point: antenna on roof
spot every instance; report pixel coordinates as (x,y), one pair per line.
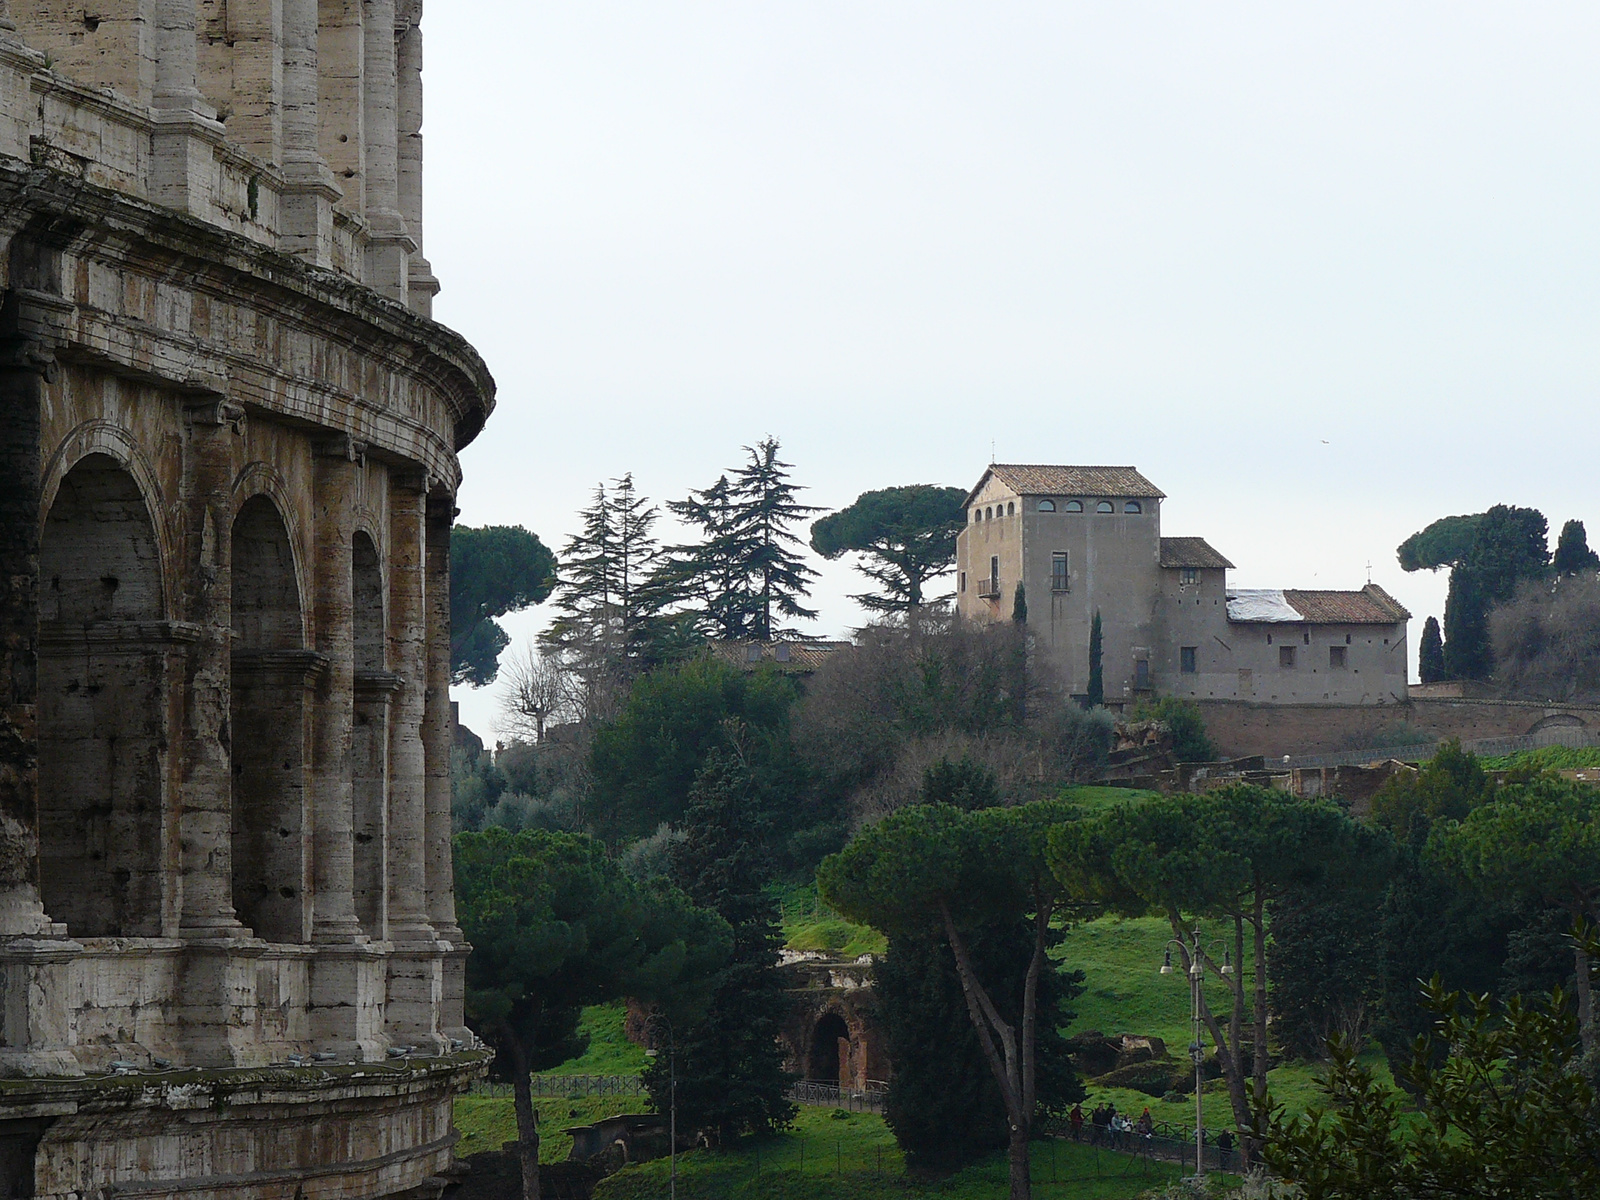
(1369,570)
(991,452)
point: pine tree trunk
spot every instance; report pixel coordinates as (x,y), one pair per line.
(1017,1151)
(1586,1027)
(527,1118)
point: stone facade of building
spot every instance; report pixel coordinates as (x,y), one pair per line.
(229,958)
(1086,540)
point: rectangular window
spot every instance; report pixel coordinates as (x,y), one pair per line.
(1058,571)
(1336,658)
(1286,657)
(963,581)
(1247,682)
(1189,576)
(1141,674)
(1186,657)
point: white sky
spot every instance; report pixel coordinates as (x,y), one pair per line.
(1322,272)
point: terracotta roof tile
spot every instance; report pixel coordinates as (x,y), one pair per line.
(1370,606)
(1038,480)
(800,657)
(1191,552)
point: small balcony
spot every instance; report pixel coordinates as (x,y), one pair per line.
(989,589)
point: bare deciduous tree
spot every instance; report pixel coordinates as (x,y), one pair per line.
(538,691)
(1546,640)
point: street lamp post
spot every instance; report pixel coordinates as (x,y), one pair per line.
(1195,953)
(658,1020)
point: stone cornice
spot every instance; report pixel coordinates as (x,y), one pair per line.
(86,221)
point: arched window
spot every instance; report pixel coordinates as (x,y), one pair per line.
(1011,508)
(977,515)
(988,514)
(1132,506)
(1074,505)
(1105,506)
(1047,506)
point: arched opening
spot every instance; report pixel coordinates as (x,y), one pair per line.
(830,1050)
(271,673)
(369,747)
(106,666)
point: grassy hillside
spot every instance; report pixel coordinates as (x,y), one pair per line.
(1547,758)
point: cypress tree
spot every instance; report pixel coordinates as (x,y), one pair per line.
(1019,605)
(1573,555)
(730,1072)
(943,1104)
(1097,679)
(1430,653)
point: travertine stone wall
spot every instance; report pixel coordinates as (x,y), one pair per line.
(296,123)
(228,438)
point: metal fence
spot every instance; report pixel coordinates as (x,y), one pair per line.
(1572,736)
(827,1095)
(1166,1143)
(572,1086)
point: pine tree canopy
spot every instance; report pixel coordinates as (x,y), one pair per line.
(495,570)
(906,535)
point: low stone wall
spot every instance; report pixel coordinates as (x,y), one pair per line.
(1273,730)
(349,1131)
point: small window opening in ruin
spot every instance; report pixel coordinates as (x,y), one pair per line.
(1269,639)
(1047,506)
(1186,659)
(1188,576)
(1347,639)
(1105,506)
(1058,572)
(1074,505)
(1286,657)
(1133,506)
(91,23)
(829,1051)
(963,581)
(1306,634)
(1337,658)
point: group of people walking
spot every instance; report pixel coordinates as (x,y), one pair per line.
(1108,1127)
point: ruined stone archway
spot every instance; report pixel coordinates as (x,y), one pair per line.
(828,1056)
(272,675)
(106,663)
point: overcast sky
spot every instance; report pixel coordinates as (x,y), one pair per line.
(1322,272)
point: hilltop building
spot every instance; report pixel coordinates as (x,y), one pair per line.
(1083,540)
(229,430)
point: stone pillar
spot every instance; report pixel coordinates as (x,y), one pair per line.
(215,432)
(438,735)
(389,250)
(310,190)
(185,125)
(415,967)
(35,957)
(375,692)
(334,914)
(253,54)
(341,116)
(421,286)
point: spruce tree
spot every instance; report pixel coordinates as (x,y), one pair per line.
(1573,555)
(607,608)
(1430,653)
(730,1072)
(748,569)
(1097,679)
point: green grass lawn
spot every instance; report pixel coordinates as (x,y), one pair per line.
(488,1122)
(610,1052)
(852,1156)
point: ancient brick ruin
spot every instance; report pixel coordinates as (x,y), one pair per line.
(229,958)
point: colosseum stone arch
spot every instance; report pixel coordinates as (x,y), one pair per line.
(228,435)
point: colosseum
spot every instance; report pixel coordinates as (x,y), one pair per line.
(229,959)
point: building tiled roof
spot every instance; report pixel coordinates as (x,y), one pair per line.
(1191,552)
(1370,606)
(798,657)
(1069,481)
